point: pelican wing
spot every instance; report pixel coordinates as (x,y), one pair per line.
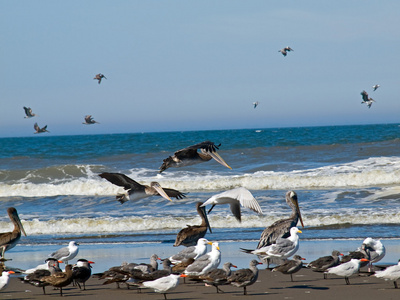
(174,193)
(278,229)
(121,180)
(364,95)
(36,127)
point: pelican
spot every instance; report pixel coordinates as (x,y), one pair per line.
(136,191)
(5,277)
(390,273)
(325,262)
(28,112)
(191,252)
(245,277)
(366,99)
(206,262)
(281,228)
(235,198)
(290,266)
(189,156)
(375,87)
(191,234)
(218,277)
(164,284)
(40,130)
(255,104)
(82,272)
(89,120)
(8,240)
(59,280)
(66,253)
(347,269)
(285,50)
(99,77)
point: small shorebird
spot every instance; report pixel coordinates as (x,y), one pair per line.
(60,279)
(375,87)
(245,277)
(89,120)
(390,273)
(136,191)
(290,266)
(99,77)
(235,198)
(189,156)
(347,269)
(28,112)
(40,130)
(366,99)
(192,233)
(163,284)
(191,252)
(285,50)
(255,104)
(325,262)
(218,277)
(66,253)
(206,262)
(8,240)
(82,272)
(5,277)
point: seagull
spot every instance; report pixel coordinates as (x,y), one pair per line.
(206,262)
(147,268)
(99,77)
(374,250)
(5,276)
(136,191)
(138,277)
(89,120)
(40,130)
(285,50)
(255,104)
(346,269)
(28,112)
(281,228)
(366,99)
(191,234)
(164,284)
(290,266)
(323,263)
(35,275)
(189,156)
(218,277)
(245,277)
(66,253)
(235,198)
(60,279)
(82,272)
(390,273)
(375,87)
(8,240)
(191,252)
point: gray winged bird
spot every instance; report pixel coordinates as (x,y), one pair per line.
(28,112)
(244,277)
(99,77)
(190,156)
(285,50)
(40,130)
(367,100)
(136,191)
(290,266)
(8,240)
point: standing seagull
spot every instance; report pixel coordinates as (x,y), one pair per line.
(28,112)
(191,234)
(347,269)
(163,284)
(5,277)
(66,253)
(374,250)
(235,198)
(191,252)
(82,272)
(89,120)
(99,77)
(325,262)
(205,263)
(285,50)
(390,273)
(218,277)
(189,156)
(366,99)
(40,130)
(290,266)
(136,191)
(8,240)
(375,87)
(245,277)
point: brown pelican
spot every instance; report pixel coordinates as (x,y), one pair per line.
(191,234)
(163,284)
(28,112)
(40,130)
(191,252)
(347,269)
(235,198)
(82,272)
(206,262)
(4,278)
(325,262)
(8,240)
(66,253)
(136,191)
(89,120)
(99,77)
(59,280)
(245,277)
(190,156)
(285,50)
(218,277)
(281,228)
(375,87)
(255,104)
(366,99)
(290,266)
(390,273)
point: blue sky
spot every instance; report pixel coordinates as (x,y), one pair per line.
(194,65)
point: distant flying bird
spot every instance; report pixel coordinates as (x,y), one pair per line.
(40,130)
(285,50)
(375,87)
(255,104)
(189,156)
(366,99)
(99,77)
(89,120)
(28,112)
(8,240)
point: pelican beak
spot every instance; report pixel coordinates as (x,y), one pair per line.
(16,218)
(218,158)
(160,190)
(296,203)
(203,211)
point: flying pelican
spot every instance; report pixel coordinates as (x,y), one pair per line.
(189,156)
(366,99)
(8,240)
(66,253)
(375,87)
(60,279)
(245,277)
(347,269)
(99,77)
(290,266)
(89,120)
(40,130)
(218,277)
(206,262)
(164,284)
(325,262)
(255,104)
(5,277)
(281,228)
(285,50)
(390,273)
(28,112)
(235,198)
(191,234)
(191,252)
(136,191)
(82,272)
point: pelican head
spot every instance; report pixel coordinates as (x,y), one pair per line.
(13,214)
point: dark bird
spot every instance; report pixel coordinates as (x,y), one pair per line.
(325,262)
(136,191)
(290,266)
(8,240)
(40,130)
(34,277)
(181,266)
(192,233)
(28,112)
(89,120)
(82,272)
(59,280)
(367,100)
(255,104)
(190,156)
(218,277)
(139,277)
(115,274)
(99,77)
(285,50)
(245,277)
(375,87)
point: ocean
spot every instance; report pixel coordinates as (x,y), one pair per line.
(346,178)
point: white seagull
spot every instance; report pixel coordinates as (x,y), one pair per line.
(347,269)
(164,284)
(235,198)
(390,273)
(205,263)
(374,250)
(190,252)
(66,253)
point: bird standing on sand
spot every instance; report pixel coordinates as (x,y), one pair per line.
(374,250)
(164,284)
(191,252)
(325,262)
(59,280)
(66,253)
(35,275)
(82,272)
(5,277)
(206,262)
(89,120)
(290,266)
(347,269)
(99,77)
(390,273)
(40,130)
(245,277)
(218,277)
(375,87)
(28,113)
(285,50)
(366,99)
(8,240)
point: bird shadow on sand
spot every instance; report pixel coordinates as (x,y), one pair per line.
(310,287)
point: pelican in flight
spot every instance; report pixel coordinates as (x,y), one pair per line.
(191,234)
(136,191)
(189,156)
(281,228)
(255,104)
(367,100)
(40,130)
(375,87)
(8,240)
(99,77)
(285,50)
(235,198)
(89,120)
(28,112)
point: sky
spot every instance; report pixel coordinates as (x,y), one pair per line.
(196,65)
